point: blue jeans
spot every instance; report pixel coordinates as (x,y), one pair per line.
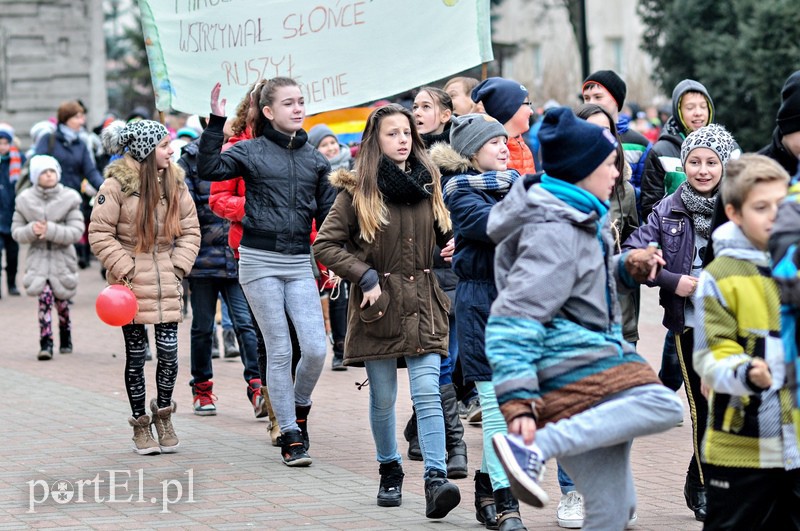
(271,298)
(204,294)
(226,323)
(423,377)
(493,422)
(448,364)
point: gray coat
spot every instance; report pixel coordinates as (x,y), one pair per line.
(52,258)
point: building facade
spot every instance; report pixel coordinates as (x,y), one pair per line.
(50,51)
(546,57)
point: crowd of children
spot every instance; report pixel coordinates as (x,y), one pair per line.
(448,247)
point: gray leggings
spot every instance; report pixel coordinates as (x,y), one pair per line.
(594,448)
(270,299)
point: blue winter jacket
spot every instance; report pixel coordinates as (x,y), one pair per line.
(76,162)
(473,259)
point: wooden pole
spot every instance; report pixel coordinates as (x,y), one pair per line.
(161,117)
(484,71)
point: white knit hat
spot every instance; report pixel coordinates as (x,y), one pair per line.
(40,163)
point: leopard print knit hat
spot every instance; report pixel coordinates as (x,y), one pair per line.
(140,138)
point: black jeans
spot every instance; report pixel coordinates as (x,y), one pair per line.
(338,313)
(12,258)
(698,405)
(203,295)
(752,499)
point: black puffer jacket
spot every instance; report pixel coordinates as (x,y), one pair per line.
(777,152)
(286,185)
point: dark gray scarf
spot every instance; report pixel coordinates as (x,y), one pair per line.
(399,186)
(701,208)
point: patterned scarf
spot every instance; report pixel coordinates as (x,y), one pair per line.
(14,164)
(701,208)
(404,187)
(492,181)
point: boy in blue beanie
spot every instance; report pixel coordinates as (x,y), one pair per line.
(561,368)
(508,102)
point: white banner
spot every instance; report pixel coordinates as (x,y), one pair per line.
(342,52)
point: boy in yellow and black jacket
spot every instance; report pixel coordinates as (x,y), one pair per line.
(750,446)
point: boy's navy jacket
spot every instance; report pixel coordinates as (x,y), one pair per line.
(670,224)
(286,185)
(554,337)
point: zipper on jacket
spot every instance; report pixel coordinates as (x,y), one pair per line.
(155,263)
(430,300)
(293,196)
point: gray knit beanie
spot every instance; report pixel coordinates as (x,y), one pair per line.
(318,133)
(471,131)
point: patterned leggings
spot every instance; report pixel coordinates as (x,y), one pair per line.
(46,300)
(166,369)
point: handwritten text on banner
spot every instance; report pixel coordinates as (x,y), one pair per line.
(342,52)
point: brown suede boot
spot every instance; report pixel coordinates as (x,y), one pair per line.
(162,420)
(274,430)
(143,442)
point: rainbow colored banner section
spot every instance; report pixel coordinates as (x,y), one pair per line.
(347,124)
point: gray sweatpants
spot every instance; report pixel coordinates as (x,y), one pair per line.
(594,448)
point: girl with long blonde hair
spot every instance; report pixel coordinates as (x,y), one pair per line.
(380,235)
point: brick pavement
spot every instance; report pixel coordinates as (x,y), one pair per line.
(65,419)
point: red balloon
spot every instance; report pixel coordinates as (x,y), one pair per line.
(116,305)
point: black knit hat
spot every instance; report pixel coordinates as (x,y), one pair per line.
(609,80)
(571,149)
(789,111)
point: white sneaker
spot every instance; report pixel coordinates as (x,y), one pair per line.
(632,522)
(570,510)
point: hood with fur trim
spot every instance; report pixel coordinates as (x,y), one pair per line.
(449,161)
(343,179)
(128,176)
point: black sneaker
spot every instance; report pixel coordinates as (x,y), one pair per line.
(293,451)
(441,496)
(390,492)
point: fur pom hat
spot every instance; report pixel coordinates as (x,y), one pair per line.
(140,138)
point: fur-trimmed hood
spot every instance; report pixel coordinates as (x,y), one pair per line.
(449,161)
(128,176)
(343,179)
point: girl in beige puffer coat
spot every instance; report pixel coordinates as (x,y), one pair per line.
(144,230)
(48,217)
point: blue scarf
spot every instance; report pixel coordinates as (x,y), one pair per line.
(575,196)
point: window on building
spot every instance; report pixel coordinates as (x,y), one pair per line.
(616,54)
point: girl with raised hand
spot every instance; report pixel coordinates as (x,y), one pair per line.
(380,235)
(286,187)
(144,231)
